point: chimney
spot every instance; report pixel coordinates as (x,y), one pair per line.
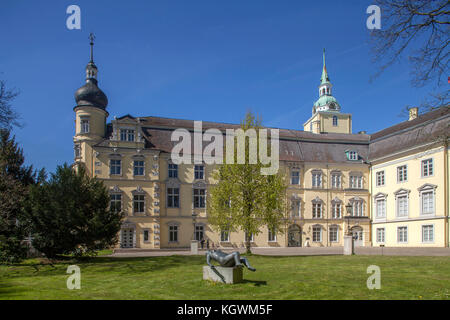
(362,132)
(413,112)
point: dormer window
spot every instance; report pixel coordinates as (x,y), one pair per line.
(126,135)
(352,155)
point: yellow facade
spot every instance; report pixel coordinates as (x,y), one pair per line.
(418,222)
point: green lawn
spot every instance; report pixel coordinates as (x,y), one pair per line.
(180,277)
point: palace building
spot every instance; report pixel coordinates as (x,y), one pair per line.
(395,181)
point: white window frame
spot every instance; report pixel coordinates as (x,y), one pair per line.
(432,230)
(85,125)
(380,178)
(336,180)
(402,173)
(271,236)
(316,179)
(317,209)
(336,207)
(334,230)
(314,233)
(356,181)
(352,155)
(381,235)
(139,201)
(399,237)
(246,236)
(201,198)
(119,201)
(429,165)
(427,189)
(380,197)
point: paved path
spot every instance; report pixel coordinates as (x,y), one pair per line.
(294,252)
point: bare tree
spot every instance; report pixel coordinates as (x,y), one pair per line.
(418,29)
(8,117)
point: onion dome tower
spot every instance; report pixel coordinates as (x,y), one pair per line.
(91,105)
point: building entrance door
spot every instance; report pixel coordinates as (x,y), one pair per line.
(358,237)
(127,238)
(294,236)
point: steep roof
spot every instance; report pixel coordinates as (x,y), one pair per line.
(424,129)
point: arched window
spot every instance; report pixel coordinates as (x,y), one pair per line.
(335,121)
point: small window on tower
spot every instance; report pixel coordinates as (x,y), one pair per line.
(335,121)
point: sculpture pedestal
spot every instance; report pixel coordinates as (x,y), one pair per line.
(223,274)
(194,246)
(348,245)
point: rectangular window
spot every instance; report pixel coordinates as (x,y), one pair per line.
(199,233)
(380,178)
(317,234)
(402,173)
(381,208)
(199,198)
(402,206)
(428,233)
(84,126)
(249,237)
(126,135)
(356,182)
(334,234)
(225,236)
(336,210)
(173,233)
(138,203)
(115,167)
(295,177)
(427,202)
(296,208)
(139,167)
(380,235)
(116,202)
(146,236)
(173,170)
(402,234)
(272,236)
(173,197)
(335,180)
(317,180)
(427,168)
(358,208)
(77,150)
(199,172)
(317,210)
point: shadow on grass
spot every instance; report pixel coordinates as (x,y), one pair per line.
(256,283)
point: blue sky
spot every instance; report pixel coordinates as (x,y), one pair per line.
(201,60)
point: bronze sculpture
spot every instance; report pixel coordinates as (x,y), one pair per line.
(230,260)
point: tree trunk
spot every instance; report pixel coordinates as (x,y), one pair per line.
(247,246)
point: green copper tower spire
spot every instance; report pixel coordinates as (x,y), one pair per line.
(324,77)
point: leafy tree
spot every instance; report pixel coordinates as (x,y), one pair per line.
(14,181)
(244,198)
(69,214)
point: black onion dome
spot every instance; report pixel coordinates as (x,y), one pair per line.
(91,95)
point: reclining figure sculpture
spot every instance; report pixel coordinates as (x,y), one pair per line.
(232,259)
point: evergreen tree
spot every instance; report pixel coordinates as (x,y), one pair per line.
(244,198)
(14,181)
(69,214)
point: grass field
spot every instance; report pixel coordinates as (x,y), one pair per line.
(180,277)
